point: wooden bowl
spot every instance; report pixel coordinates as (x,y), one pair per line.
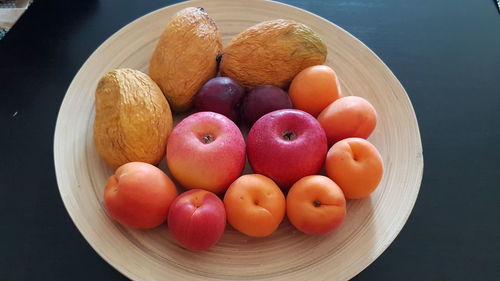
(371,224)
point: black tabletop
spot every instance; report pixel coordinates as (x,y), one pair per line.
(445,53)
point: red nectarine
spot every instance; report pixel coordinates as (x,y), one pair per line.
(139,195)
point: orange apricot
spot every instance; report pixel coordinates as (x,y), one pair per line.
(347,117)
(355,165)
(255,205)
(315,205)
(314,88)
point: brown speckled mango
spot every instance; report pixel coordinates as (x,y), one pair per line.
(272,53)
(133,119)
(186,56)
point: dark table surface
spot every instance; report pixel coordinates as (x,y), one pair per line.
(445,53)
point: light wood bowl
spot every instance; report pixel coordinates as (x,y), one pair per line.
(371,224)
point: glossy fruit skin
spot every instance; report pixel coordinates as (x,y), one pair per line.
(347,117)
(262,100)
(206,150)
(255,205)
(139,195)
(222,95)
(356,166)
(197,219)
(286,145)
(314,88)
(316,205)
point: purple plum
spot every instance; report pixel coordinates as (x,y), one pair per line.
(222,95)
(262,100)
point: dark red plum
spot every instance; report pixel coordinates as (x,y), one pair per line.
(262,100)
(221,95)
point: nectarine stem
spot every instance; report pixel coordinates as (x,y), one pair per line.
(288,135)
(316,203)
(207,139)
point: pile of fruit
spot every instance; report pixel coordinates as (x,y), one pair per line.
(268,83)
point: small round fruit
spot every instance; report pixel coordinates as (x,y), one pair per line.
(262,100)
(356,166)
(197,219)
(315,205)
(206,150)
(222,95)
(348,117)
(286,145)
(255,205)
(314,88)
(139,195)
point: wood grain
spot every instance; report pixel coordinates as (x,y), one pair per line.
(371,224)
